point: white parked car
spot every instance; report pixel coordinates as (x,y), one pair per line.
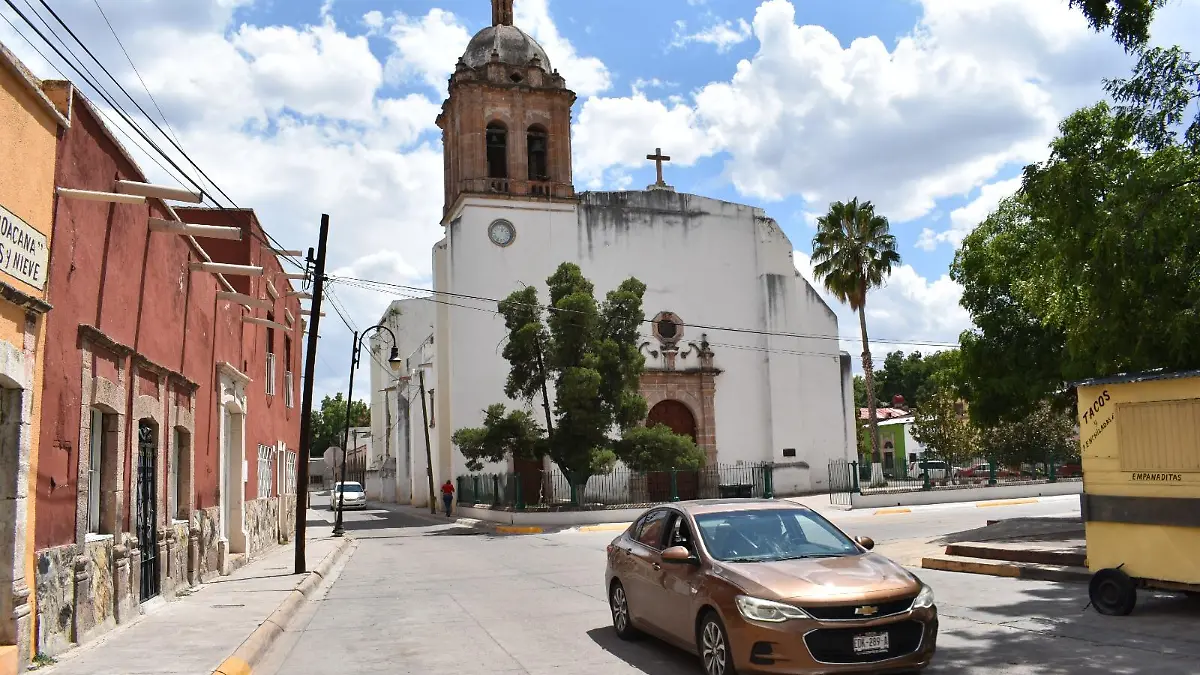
(938,470)
(355,497)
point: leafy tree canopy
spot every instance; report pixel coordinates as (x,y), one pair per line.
(944,429)
(329,423)
(1129,20)
(589,352)
(1093,268)
(915,376)
(1044,435)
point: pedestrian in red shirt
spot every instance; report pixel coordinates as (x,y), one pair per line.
(447,496)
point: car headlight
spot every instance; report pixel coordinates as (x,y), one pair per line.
(757,609)
(924,599)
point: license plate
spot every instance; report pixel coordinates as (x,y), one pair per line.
(871,643)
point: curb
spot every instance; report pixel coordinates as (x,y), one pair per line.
(518,529)
(1007,502)
(255,646)
(893,511)
(604,527)
(995,568)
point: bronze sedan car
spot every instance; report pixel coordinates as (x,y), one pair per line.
(767,587)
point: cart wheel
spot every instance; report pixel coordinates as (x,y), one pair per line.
(1112,592)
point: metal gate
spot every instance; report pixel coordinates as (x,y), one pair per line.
(147,512)
(843,481)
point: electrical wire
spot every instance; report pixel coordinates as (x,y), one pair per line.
(93,81)
(755,348)
(176,145)
(365,283)
(135,70)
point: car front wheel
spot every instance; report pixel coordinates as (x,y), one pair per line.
(715,654)
(618,602)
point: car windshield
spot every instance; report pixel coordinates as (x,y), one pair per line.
(769,535)
(349,487)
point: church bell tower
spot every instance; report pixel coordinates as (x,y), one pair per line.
(506,125)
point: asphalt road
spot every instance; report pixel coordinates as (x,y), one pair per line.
(432,599)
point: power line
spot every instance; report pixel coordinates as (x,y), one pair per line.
(729,329)
(103,92)
(135,70)
(755,348)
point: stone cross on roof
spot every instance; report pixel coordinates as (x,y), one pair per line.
(659,158)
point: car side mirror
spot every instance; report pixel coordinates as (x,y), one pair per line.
(679,554)
(865,542)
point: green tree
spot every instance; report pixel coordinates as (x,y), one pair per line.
(915,376)
(944,429)
(853,252)
(1091,269)
(1043,435)
(329,423)
(589,351)
(1129,20)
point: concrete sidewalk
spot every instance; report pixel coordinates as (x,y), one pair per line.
(197,633)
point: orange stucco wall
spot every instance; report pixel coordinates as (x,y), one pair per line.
(28,145)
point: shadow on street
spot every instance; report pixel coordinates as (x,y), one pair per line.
(1049,632)
(650,656)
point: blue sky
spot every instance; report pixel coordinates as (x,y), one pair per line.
(929,108)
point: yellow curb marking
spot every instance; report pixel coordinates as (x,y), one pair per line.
(516,529)
(233,666)
(605,527)
(887,512)
(1008,502)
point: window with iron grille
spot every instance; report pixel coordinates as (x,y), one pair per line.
(270,374)
(266,475)
(288,398)
(289,473)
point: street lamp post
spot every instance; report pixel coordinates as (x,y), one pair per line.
(395,362)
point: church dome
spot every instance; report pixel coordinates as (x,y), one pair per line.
(513,45)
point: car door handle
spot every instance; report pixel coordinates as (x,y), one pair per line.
(657,567)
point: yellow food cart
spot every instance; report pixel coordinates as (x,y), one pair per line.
(1139,437)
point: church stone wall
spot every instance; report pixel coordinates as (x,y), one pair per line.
(707,261)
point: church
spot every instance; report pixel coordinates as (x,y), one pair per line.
(741,352)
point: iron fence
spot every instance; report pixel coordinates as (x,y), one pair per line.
(847,478)
(619,487)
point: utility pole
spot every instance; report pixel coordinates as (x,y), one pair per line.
(306,401)
(428,452)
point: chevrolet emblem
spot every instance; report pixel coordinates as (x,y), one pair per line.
(866,611)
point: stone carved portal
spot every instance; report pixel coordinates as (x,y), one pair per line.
(685,401)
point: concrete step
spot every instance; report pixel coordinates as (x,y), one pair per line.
(1033,552)
(998,568)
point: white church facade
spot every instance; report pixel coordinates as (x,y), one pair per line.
(741,352)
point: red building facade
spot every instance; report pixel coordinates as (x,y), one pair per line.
(169,422)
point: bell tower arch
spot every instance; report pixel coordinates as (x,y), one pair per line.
(506,125)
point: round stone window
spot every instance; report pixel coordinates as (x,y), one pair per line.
(668,328)
(502,232)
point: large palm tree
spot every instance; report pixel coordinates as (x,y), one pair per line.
(853,252)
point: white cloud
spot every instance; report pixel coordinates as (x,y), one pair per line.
(973,88)
(427,48)
(586,75)
(318,70)
(722,34)
(614,134)
(963,220)
(373,19)
(909,307)
(295,121)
